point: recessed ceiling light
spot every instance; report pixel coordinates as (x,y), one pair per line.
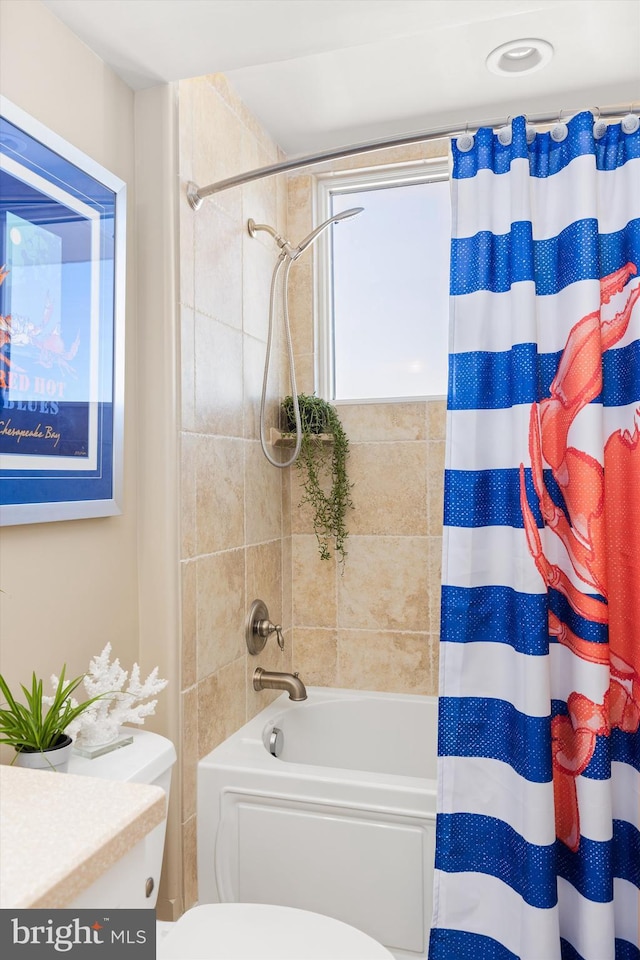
(519,57)
(519,53)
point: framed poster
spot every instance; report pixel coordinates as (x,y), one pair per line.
(62,278)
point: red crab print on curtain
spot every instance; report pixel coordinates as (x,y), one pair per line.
(601,534)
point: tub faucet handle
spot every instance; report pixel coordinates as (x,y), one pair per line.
(258,628)
(264,628)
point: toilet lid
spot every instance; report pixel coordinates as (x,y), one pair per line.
(259,931)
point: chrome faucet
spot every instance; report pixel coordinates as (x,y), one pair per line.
(271,680)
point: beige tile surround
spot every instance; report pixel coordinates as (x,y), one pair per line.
(231,509)
(373,625)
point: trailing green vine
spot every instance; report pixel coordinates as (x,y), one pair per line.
(319,463)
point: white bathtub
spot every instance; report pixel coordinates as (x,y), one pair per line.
(342,822)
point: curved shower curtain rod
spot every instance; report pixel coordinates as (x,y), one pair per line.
(196,195)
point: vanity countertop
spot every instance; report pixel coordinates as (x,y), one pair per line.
(60,832)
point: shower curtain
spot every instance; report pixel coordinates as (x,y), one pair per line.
(538,841)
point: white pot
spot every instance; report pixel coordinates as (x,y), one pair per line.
(55,758)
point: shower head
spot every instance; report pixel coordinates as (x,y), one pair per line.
(345,215)
(294,252)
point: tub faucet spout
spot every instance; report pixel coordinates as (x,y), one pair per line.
(271,680)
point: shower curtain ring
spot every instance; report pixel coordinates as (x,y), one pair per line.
(560,131)
(599,126)
(530,131)
(631,122)
(505,133)
(465,141)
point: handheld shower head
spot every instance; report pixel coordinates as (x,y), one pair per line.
(345,215)
(285,262)
(294,252)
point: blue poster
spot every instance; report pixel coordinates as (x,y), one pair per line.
(57,330)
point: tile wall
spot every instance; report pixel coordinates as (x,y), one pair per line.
(233,549)
(373,625)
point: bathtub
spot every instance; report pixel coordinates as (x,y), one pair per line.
(341,821)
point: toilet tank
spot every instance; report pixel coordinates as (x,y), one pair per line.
(133,881)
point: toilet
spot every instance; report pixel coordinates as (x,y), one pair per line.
(262,931)
(212,931)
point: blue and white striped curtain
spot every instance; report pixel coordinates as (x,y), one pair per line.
(538,842)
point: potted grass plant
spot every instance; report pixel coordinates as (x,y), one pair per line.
(322,465)
(36,729)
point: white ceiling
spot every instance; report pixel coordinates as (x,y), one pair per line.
(326,73)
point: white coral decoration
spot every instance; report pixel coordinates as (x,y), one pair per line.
(100,722)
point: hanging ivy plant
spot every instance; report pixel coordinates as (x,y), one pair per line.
(322,466)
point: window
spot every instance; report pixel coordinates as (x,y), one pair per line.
(383,284)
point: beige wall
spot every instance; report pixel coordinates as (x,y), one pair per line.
(233,533)
(157,442)
(69,587)
(233,550)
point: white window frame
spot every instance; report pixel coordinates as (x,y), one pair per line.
(353,181)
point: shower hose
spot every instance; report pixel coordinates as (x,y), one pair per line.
(286,261)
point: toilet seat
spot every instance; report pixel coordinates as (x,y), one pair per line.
(259,931)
